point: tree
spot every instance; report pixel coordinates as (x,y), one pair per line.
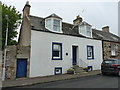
(14,20)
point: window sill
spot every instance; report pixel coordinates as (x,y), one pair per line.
(56,58)
(90,58)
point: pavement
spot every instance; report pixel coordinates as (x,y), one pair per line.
(45,79)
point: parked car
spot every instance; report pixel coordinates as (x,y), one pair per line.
(111,66)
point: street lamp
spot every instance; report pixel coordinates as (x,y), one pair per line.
(5,50)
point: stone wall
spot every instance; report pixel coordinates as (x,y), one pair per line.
(107,50)
(0,65)
(13,53)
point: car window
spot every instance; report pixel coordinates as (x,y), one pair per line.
(109,62)
(119,61)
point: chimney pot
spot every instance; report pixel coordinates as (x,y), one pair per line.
(27,3)
(105,29)
(77,21)
(26,9)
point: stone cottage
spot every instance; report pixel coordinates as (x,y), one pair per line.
(111,43)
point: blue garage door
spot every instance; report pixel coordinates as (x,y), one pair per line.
(21,68)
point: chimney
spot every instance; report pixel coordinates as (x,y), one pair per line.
(105,29)
(26,9)
(77,21)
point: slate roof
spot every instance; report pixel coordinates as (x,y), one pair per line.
(70,29)
(85,23)
(107,36)
(54,16)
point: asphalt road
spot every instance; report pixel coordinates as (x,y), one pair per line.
(97,81)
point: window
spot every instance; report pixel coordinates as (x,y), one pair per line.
(56,25)
(88,31)
(82,30)
(90,52)
(58,70)
(48,23)
(53,24)
(113,46)
(56,51)
(85,29)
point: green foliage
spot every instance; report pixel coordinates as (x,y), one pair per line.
(14,20)
(70,71)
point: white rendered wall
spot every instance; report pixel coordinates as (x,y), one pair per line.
(41,63)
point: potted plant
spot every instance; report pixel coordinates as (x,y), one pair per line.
(70,71)
(86,69)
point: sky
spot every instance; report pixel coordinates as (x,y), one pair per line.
(98,13)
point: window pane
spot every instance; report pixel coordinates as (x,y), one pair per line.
(48,23)
(113,49)
(82,30)
(56,47)
(88,33)
(55,53)
(56,26)
(110,62)
(88,29)
(56,22)
(90,52)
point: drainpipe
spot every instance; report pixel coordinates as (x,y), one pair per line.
(5,51)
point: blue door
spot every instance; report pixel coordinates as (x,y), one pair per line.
(74,55)
(21,69)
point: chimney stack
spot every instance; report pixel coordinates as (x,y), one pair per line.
(26,9)
(105,29)
(77,21)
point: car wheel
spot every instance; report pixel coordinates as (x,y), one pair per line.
(103,73)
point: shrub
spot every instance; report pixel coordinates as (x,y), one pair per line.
(70,71)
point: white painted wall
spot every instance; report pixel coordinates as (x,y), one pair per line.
(41,63)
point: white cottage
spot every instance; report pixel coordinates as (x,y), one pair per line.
(56,46)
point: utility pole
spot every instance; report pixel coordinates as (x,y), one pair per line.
(5,51)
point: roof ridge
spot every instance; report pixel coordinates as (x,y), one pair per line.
(107,32)
(67,23)
(36,16)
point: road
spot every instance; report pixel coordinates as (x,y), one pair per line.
(97,81)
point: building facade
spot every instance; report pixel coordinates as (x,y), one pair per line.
(49,46)
(111,43)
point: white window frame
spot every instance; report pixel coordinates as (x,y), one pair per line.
(60,51)
(52,25)
(85,28)
(92,52)
(113,49)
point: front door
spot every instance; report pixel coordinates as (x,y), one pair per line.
(21,69)
(74,55)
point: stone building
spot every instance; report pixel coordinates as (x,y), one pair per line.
(111,43)
(15,53)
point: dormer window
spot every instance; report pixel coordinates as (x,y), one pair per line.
(54,23)
(85,29)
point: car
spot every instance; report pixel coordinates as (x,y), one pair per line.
(111,66)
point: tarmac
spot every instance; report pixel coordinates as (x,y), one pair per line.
(45,79)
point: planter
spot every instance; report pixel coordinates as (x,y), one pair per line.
(70,71)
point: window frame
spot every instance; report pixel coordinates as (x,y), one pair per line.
(113,49)
(55,25)
(60,68)
(90,58)
(60,56)
(52,25)
(85,30)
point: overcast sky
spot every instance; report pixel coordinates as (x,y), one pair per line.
(98,13)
